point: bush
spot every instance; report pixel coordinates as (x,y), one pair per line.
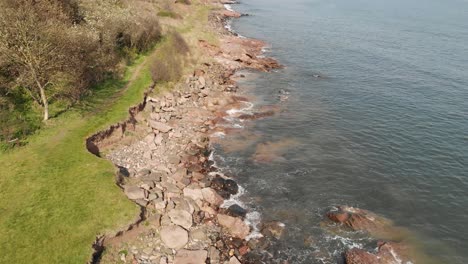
(71,45)
(169,62)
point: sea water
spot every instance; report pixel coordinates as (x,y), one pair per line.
(376,117)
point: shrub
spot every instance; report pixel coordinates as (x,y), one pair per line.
(168,64)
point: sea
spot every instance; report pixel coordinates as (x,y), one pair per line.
(373,113)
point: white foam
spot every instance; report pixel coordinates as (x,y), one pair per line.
(253,219)
(244,110)
(347,242)
(218,134)
(235,199)
(228,7)
(228,26)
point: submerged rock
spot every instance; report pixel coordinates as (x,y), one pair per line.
(387,253)
(273,229)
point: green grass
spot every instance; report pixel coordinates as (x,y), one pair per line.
(166,13)
(55,196)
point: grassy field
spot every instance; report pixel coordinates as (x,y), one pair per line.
(56,197)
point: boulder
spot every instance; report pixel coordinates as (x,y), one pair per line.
(387,253)
(181,217)
(235,226)
(160,126)
(195,194)
(190,257)
(174,236)
(234,260)
(215,255)
(212,197)
(134,192)
(233,14)
(362,220)
(231,187)
(202,81)
(236,211)
(359,256)
(180,174)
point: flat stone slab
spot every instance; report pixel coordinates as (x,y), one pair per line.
(181,217)
(191,257)
(134,192)
(174,236)
(160,126)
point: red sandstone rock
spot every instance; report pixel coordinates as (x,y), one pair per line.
(228,13)
(359,256)
(338,217)
(388,253)
(244,250)
(360,219)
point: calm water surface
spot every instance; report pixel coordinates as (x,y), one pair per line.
(385,129)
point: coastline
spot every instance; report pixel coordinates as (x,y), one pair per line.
(165,159)
(164,166)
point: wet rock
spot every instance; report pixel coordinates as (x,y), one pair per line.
(181,217)
(134,192)
(361,220)
(190,256)
(217,183)
(228,13)
(235,226)
(359,256)
(256,116)
(224,187)
(236,211)
(174,236)
(273,229)
(231,187)
(387,253)
(244,250)
(160,126)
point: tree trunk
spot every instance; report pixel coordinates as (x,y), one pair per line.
(45,103)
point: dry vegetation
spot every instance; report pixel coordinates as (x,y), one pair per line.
(168,63)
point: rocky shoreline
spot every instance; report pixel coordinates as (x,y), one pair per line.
(162,153)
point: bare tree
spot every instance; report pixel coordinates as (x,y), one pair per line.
(26,44)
